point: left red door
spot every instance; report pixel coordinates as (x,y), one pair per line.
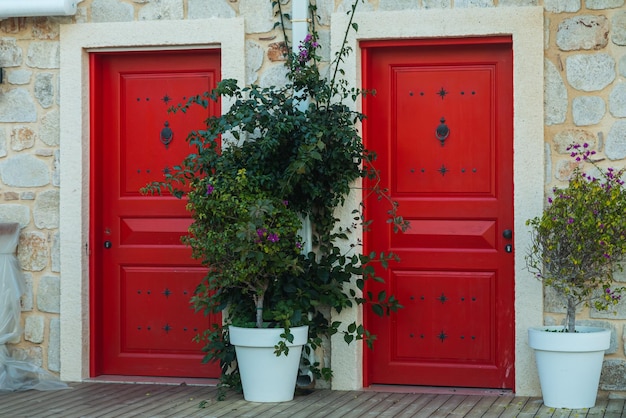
(142,276)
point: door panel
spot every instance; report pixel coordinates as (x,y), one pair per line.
(441,124)
(144,276)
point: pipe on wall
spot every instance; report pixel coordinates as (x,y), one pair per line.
(37,8)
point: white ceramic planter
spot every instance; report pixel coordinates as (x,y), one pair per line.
(569,364)
(266,377)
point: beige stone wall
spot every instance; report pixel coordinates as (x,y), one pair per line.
(585,98)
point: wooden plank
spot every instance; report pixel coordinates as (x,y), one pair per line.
(414,403)
(92,402)
(531,407)
(482,406)
(37,399)
(426,405)
(355,401)
(391,405)
(314,406)
(464,407)
(449,406)
(499,406)
(514,407)
(614,408)
(165,402)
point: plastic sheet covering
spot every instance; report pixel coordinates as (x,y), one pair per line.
(17,372)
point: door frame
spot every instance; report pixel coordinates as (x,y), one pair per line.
(525,26)
(77,41)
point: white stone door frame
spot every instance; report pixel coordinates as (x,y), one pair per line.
(525,26)
(77,41)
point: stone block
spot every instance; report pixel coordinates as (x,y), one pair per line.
(34,328)
(254,59)
(3,142)
(555,302)
(49,294)
(583,32)
(613,375)
(22,137)
(562,6)
(590,72)
(19,77)
(27,298)
(617,101)
(15,213)
(618,24)
(32,251)
(603,4)
(563,139)
(274,76)
(615,148)
(555,95)
(44,90)
(202,9)
(111,11)
(54,346)
(162,10)
(622,66)
(259,16)
(27,196)
(10,53)
(46,210)
(43,54)
(398,5)
(24,171)
(56,252)
(17,105)
(588,110)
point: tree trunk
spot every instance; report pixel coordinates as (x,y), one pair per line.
(571,314)
(258,302)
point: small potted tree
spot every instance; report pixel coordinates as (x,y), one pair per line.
(277,156)
(577,244)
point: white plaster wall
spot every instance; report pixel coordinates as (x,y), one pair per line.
(525,24)
(76,43)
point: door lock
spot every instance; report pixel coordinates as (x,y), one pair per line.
(107,244)
(508,248)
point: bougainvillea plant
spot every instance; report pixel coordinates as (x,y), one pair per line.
(580,239)
(277,156)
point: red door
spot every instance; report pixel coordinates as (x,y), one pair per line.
(143,277)
(441,123)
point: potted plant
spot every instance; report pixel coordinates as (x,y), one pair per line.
(577,244)
(277,157)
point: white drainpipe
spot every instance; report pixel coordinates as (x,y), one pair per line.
(299,30)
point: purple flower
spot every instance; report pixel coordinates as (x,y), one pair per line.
(209,189)
(261,232)
(570,221)
(299,245)
(286,202)
(273,237)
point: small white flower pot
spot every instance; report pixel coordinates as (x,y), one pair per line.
(569,364)
(266,377)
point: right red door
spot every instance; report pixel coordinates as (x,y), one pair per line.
(441,122)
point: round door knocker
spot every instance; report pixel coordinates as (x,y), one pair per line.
(442,131)
(166,135)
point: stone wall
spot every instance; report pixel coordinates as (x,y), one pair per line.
(585,100)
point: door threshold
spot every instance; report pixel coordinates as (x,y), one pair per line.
(153,380)
(439,390)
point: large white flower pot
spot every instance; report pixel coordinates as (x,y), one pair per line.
(569,364)
(266,377)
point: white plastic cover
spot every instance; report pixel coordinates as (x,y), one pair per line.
(15,8)
(16,373)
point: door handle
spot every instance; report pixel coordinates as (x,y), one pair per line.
(107,244)
(507,234)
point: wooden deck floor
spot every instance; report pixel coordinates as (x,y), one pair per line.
(117,400)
